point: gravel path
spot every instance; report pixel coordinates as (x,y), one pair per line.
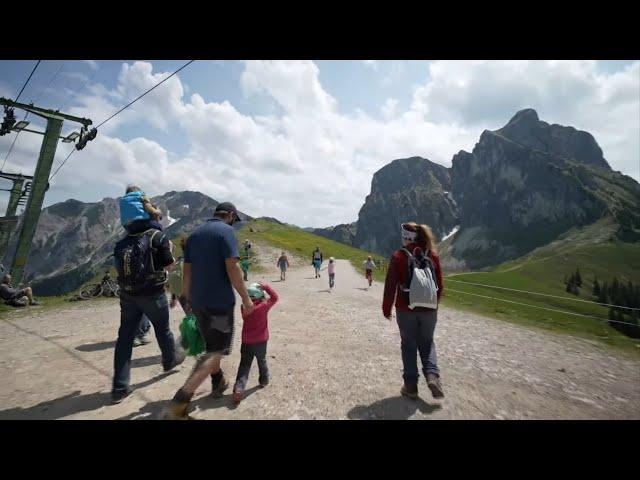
(331,356)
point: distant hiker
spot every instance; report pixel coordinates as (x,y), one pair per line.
(244,265)
(255,334)
(211,273)
(414,281)
(141,260)
(137,212)
(369,265)
(247,247)
(331,270)
(283,264)
(175,281)
(16,297)
(316,260)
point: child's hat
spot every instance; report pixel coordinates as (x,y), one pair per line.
(255,291)
(331,258)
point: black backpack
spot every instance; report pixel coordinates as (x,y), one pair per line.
(134,263)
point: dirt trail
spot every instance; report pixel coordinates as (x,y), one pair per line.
(331,356)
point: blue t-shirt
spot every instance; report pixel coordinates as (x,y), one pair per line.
(206,250)
(132,208)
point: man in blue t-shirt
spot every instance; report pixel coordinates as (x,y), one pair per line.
(210,273)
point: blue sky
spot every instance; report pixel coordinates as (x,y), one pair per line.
(264,134)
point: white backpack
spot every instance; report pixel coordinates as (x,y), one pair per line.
(421,288)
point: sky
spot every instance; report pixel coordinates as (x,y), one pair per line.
(301,140)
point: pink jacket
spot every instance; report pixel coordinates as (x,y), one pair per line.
(255,328)
(331,268)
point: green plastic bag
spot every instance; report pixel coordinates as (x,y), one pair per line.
(192,341)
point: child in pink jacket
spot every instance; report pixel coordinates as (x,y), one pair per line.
(255,334)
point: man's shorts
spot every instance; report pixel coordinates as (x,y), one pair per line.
(216,327)
(18,301)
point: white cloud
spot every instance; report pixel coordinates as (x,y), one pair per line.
(371,64)
(389,108)
(93,64)
(76,75)
(311,164)
(395,73)
(294,85)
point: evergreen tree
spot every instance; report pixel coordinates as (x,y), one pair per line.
(596,288)
(628,294)
(578,278)
(620,295)
(604,290)
(615,287)
(612,314)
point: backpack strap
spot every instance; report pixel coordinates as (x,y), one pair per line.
(410,264)
(153,235)
(430,263)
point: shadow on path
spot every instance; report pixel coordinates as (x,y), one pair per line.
(392,408)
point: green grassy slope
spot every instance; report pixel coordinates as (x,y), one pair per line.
(544,271)
(300,244)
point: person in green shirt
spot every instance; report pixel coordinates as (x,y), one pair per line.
(244,265)
(174,282)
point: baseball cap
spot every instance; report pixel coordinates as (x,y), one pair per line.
(255,291)
(228,207)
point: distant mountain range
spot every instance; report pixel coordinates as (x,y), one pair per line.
(522,187)
(74,239)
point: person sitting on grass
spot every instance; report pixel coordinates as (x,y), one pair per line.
(16,297)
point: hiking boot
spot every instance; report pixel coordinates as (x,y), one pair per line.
(35,302)
(238,394)
(263,381)
(433,382)
(176,411)
(119,395)
(409,391)
(218,386)
(178,359)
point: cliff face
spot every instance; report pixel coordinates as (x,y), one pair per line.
(406,189)
(527,183)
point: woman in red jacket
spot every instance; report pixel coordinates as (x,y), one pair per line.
(418,324)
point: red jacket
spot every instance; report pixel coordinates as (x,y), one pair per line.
(255,328)
(397,275)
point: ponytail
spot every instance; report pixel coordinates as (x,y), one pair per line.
(425,238)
